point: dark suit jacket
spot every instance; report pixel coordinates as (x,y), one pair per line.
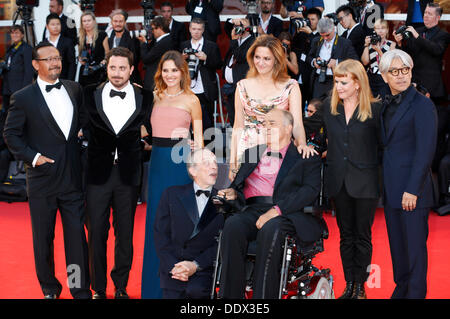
(423,5)
(67,51)
(30,129)
(210,14)
(103,140)
(409,147)
(357,37)
(208,68)
(68,29)
(275,26)
(178,33)
(134,46)
(427,55)
(372,14)
(353,152)
(297,185)
(240,66)
(179,234)
(21,70)
(151,54)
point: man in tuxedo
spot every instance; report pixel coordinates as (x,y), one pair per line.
(186,227)
(330,48)
(269,24)
(208,11)
(152,51)
(272,186)
(64,46)
(120,37)
(68,26)
(41,130)
(408,132)
(207,60)
(177,29)
(353,30)
(116,110)
(235,62)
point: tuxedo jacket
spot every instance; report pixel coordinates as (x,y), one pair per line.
(30,129)
(357,37)
(103,141)
(297,185)
(67,51)
(353,156)
(275,26)
(68,30)
(239,52)
(427,54)
(21,70)
(151,54)
(409,147)
(178,33)
(179,234)
(208,68)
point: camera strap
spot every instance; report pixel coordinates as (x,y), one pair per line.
(12,52)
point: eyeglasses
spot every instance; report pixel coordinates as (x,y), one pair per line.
(396,72)
(340,18)
(51,59)
(309,111)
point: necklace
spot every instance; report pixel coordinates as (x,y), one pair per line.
(173,95)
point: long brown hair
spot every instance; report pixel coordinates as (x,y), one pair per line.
(180,63)
(279,73)
(82,33)
(356,71)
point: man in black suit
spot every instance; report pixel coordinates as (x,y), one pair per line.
(152,51)
(41,130)
(235,62)
(269,24)
(18,71)
(116,111)
(186,227)
(272,186)
(353,30)
(208,11)
(330,48)
(120,37)
(177,29)
(416,9)
(64,46)
(68,26)
(207,60)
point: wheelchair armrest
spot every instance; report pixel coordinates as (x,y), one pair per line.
(224,206)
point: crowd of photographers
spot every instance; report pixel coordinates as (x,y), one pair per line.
(311,40)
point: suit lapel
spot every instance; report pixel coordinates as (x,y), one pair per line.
(401,111)
(138,98)
(289,160)
(74,125)
(251,160)
(99,106)
(383,128)
(187,198)
(208,214)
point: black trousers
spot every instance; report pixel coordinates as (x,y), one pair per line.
(207,111)
(322,90)
(99,200)
(198,287)
(43,218)
(354,218)
(238,231)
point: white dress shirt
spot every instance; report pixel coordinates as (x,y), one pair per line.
(325,53)
(202,200)
(55,44)
(197,84)
(228,70)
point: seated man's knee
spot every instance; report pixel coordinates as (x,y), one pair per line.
(272,229)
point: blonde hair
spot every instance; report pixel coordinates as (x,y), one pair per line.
(355,70)
(380,23)
(82,35)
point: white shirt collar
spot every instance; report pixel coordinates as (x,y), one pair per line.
(126,88)
(162,37)
(197,187)
(199,44)
(42,84)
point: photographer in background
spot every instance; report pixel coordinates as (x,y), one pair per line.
(16,69)
(203,57)
(68,26)
(353,30)
(291,57)
(269,24)
(208,11)
(297,9)
(177,29)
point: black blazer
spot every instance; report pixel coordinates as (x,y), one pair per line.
(179,234)
(353,154)
(210,14)
(178,33)
(67,51)
(21,70)
(275,26)
(297,185)
(357,37)
(30,129)
(208,68)
(151,54)
(427,54)
(103,140)
(423,5)
(240,66)
(68,29)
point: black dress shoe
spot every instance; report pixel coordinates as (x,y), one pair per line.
(121,294)
(51,296)
(101,294)
(348,291)
(359,291)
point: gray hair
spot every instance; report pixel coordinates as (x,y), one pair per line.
(325,25)
(391,55)
(288,119)
(192,159)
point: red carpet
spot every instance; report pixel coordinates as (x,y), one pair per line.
(18,278)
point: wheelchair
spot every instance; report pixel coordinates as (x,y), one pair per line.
(299,279)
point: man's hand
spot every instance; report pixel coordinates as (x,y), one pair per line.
(409,201)
(201,55)
(183,270)
(227,194)
(413,31)
(264,218)
(332,64)
(398,38)
(42,160)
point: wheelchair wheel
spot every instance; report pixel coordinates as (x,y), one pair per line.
(323,290)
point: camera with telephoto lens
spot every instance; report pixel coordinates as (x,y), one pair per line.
(4,67)
(241,29)
(300,23)
(192,62)
(402,30)
(87,5)
(138,33)
(375,38)
(323,69)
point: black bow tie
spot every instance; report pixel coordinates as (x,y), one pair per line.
(392,99)
(201,191)
(275,154)
(114,93)
(48,88)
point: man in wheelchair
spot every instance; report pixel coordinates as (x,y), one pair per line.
(273,185)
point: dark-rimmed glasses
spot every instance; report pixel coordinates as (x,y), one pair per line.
(396,72)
